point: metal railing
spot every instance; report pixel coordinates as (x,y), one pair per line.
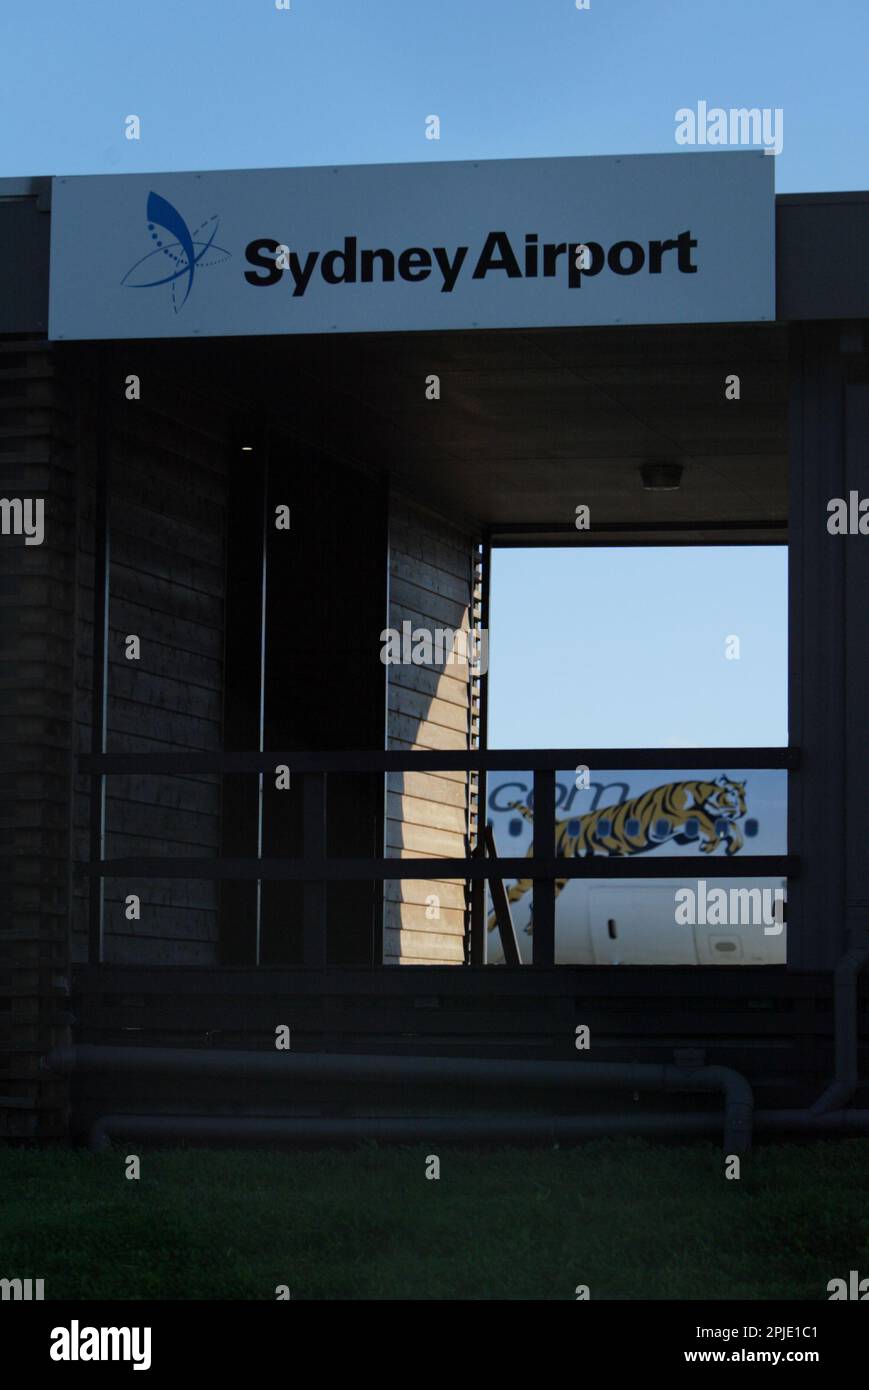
(315,869)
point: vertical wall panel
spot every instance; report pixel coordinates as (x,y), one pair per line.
(828,906)
(168,493)
(856,661)
(37,462)
(324,684)
(431,580)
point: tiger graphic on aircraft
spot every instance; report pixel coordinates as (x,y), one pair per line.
(677,811)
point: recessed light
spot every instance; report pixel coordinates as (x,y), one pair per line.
(661,477)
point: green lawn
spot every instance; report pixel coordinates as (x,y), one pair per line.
(629,1218)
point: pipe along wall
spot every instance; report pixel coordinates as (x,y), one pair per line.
(328,1067)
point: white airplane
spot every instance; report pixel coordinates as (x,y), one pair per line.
(697,919)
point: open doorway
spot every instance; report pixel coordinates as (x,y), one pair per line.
(667,647)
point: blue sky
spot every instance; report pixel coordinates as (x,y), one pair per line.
(238,84)
(608,648)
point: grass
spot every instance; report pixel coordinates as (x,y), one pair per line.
(631,1219)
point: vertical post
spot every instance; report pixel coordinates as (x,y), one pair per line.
(543,938)
(314,900)
(477,954)
(379,889)
(829,587)
(244,656)
(479,934)
(261,731)
(855,666)
(99,694)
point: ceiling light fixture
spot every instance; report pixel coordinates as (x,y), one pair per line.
(661,477)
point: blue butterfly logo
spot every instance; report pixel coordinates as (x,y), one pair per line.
(185,251)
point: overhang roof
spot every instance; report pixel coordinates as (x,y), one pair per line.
(529,425)
(532,423)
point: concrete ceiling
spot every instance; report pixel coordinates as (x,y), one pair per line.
(531,424)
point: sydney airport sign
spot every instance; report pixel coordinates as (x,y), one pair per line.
(520,243)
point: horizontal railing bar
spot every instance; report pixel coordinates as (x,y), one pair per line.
(664,866)
(432,760)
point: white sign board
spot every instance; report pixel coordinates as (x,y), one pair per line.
(522,243)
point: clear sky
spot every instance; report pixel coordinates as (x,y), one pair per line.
(609,648)
(239,83)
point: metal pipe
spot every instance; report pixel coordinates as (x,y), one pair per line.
(810,1121)
(845,992)
(388,1129)
(488,1128)
(325,1067)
